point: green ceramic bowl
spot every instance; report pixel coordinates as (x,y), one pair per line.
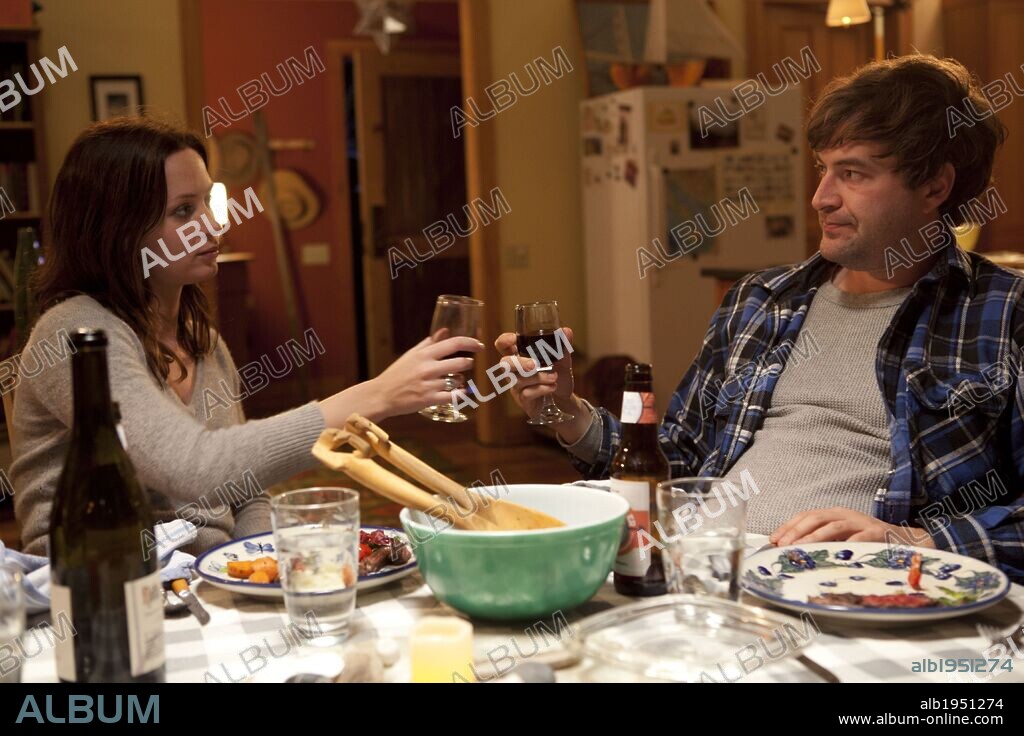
(518,575)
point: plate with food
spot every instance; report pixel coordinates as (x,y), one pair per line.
(873,581)
(249,565)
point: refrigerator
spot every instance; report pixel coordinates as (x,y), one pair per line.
(677,180)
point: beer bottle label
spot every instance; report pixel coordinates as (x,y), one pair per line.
(630,559)
(638,408)
(143,598)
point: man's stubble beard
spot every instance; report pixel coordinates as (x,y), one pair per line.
(865,251)
(852,253)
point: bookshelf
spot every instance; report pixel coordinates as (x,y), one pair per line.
(22,173)
(22,161)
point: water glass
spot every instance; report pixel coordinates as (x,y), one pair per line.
(702,526)
(316,535)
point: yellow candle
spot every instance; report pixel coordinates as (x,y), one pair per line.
(442,650)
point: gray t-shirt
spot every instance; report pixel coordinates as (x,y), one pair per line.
(825,438)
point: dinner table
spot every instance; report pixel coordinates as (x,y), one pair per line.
(249,639)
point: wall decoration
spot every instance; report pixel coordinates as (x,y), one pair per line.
(115,96)
(689,197)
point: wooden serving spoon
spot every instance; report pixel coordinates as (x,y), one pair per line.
(463,508)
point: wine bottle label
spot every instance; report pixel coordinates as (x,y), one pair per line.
(64,650)
(638,494)
(638,408)
(144,602)
(121,436)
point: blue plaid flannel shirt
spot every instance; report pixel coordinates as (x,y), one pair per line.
(949,369)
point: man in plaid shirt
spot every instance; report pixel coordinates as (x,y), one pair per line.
(926,417)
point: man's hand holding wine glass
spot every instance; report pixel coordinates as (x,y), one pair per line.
(530,391)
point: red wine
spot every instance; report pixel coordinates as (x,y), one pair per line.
(529,346)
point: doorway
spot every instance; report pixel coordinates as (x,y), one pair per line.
(403,171)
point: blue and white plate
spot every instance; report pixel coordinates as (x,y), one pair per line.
(843,580)
(212,565)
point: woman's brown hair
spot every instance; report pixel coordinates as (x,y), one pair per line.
(907,104)
(110,191)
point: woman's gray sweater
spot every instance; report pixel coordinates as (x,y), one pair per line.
(202,462)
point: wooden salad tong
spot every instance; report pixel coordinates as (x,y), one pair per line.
(464,508)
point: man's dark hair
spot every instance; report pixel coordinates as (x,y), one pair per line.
(907,103)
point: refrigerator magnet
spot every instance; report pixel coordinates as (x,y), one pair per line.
(666,117)
(754,125)
(779,226)
(631,171)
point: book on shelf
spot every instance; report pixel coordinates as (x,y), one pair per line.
(7,344)
(32,177)
(6,277)
(20,112)
(20,182)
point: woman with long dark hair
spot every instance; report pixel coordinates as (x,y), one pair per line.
(124,186)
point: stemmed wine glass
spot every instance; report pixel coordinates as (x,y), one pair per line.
(461,316)
(536,325)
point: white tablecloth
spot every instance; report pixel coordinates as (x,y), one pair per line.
(251,638)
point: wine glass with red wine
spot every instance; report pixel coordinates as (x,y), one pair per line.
(461,316)
(538,338)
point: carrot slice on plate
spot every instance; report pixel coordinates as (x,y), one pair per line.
(240,569)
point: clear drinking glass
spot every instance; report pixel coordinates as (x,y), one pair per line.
(702,526)
(461,316)
(12,621)
(536,325)
(316,534)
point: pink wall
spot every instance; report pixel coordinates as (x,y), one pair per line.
(15,12)
(241,40)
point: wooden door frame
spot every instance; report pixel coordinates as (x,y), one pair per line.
(493,425)
(369,67)
(480,179)
(191,17)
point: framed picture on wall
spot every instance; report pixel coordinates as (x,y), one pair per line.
(114,96)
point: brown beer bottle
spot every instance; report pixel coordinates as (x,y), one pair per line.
(636,470)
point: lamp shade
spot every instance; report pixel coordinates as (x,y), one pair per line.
(842,13)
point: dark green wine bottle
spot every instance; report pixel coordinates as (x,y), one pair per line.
(105,580)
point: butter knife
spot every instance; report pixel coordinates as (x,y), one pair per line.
(180,587)
(817,669)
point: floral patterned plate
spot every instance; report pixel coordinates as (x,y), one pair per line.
(871,581)
(212,565)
